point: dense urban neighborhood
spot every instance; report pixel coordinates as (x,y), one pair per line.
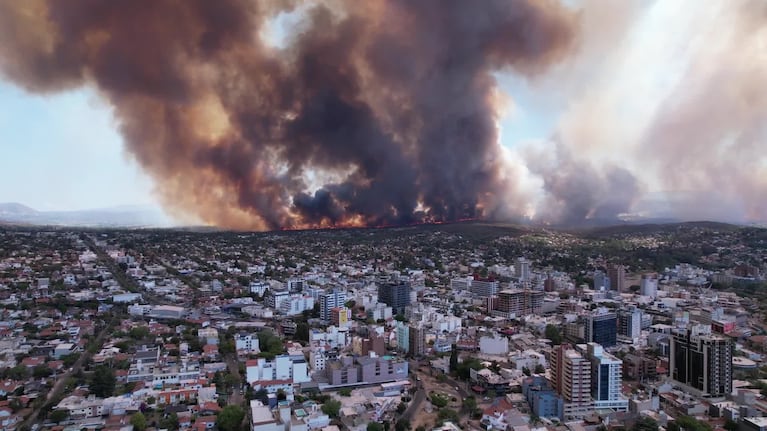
(462,326)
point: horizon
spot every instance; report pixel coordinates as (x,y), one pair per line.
(598,114)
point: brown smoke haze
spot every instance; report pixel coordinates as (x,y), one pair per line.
(375,113)
(387,112)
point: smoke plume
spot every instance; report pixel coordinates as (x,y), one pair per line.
(374,112)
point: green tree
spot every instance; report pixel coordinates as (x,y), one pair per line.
(552,333)
(170,422)
(402,425)
(302,332)
(331,408)
(138,420)
(645,423)
(70,359)
(19,372)
(454,359)
(230,418)
(374,426)
(58,415)
(731,425)
(688,423)
(470,405)
(345,392)
(41,371)
(539,369)
(103,382)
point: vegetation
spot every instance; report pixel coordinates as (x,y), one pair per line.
(688,423)
(138,420)
(103,382)
(331,408)
(552,333)
(58,415)
(230,418)
(645,423)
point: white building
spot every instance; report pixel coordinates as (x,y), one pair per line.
(281,373)
(246,343)
(296,304)
(495,345)
(648,286)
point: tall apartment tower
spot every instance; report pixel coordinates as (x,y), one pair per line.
(522,269)
(617,274)
(630,322)
(571,379)
(602,327)
(395,295)
(606,379)
(417,340)
(330,300)
(702,361)
(648,286)
(484,288)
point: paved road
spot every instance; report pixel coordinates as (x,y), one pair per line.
(415,405)
(233,364)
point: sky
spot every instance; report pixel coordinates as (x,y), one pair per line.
(63,152)
(662,89)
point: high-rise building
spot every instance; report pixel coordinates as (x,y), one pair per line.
(601,281)
(630,322)
(417,342)
(403,337)
(606,379)
(330,300)
(648,286)
(617,274)
(601,327)
(512,303)
(460,283)
(395,295)
(571,378)
(522,269)
(702,361)
(483,287)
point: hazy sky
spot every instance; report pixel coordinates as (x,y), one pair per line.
(62,152)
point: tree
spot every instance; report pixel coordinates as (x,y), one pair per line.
(470,404)
(103,382)
(170,422)
(539,369)
(302,332)
(688,423)
(331,408)
(41,371)
(230,418)
(138,420)
(731,425)
(454,359)
(552,333)
(526,371)
(374,426)
(645,423)
(58,415)
(402,425)
(345,392)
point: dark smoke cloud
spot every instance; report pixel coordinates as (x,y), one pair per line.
(387,104)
